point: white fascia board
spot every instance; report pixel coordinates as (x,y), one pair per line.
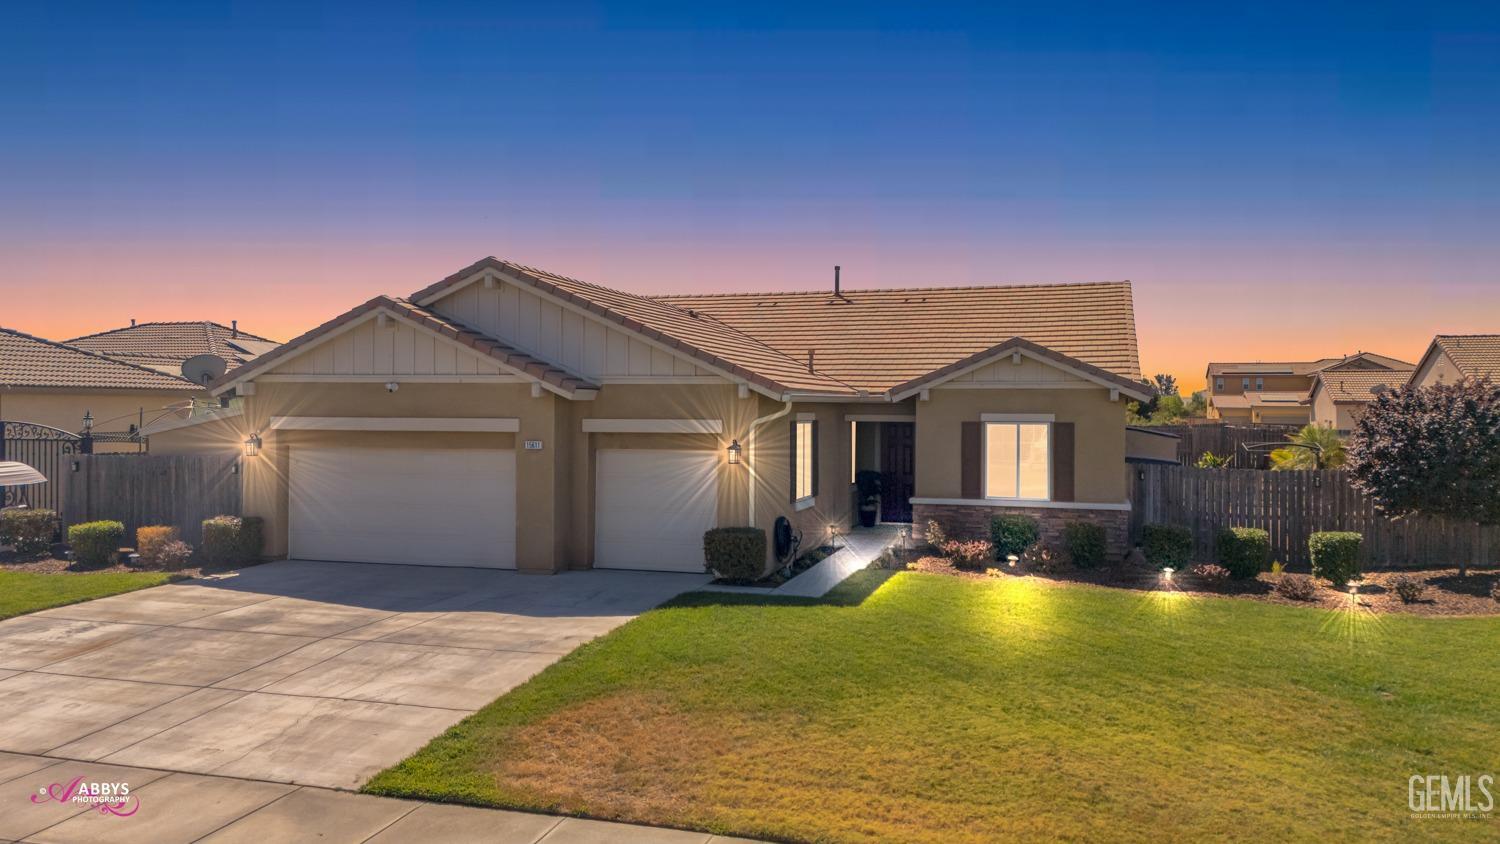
(395,423)
(653,426)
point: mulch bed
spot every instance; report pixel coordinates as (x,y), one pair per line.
(1447,594)
(52,563)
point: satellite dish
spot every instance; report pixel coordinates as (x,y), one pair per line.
(203,368)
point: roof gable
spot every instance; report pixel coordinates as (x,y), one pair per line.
(28,361)
(1475,355)
(159,345)
(1358,385)
(1018,351)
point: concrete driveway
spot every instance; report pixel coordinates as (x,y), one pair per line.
(318,674)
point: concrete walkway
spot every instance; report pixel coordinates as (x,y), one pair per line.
(858,548)
(178,808)
(318,674)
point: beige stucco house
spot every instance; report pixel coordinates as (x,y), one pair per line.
(1281,392)
(1339,396)
(514,418)
(1454,357)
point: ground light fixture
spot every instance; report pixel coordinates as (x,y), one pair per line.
(1166,573)
(1011,560)
(734,452)
(252,445)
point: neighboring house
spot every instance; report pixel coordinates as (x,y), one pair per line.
(1339,396)
(165,346)
(55,384)
(1454,357)
(1280,392)
(513,418)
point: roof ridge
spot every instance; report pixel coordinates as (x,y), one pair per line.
(93,354)
(849,290)
(207,323)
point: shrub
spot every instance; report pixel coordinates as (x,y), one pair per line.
(1298,587)
(1495,590)
(1335,555)
(230,540)
(150,539)
(28,531)
(1085,543)
(1013,533)
(1244,551)
(1167,545)
(1409,589)
(95,544)
(968,554)
(1209,460)
(172,555)
(1044,560)
(1211,573)
(735,553)
(935,534)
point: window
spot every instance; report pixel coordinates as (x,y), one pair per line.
(1018,460)
(1260,383)
(804,459)
(1219,384)
(1244,383)
(853,448)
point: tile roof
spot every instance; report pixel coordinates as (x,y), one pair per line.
(165,345)
(27,361)
(876,339)
(478,341)
(1129,386)
(1475,355)
(1304,367)
(1359,385)
(713,341)
(1258,398)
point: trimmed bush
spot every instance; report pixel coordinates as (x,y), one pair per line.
(1167,545)
(736,554)
(1409,589)
(1013,533)
(1298,587)
(172,555)
(1085,542)
(231,540)
(969,554)
(1335,555)
(149,541)
(1211,573)
(1244,551)
(28,531)
(95,544)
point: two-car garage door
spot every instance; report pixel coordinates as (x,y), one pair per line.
(425,506)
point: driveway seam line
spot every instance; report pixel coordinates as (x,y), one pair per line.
(250,692)
(143,712)
(394,820)
(277,799)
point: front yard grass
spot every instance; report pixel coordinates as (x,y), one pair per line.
(941,710)
(23,592)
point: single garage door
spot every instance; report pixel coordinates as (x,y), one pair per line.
(421,506)
(652,507)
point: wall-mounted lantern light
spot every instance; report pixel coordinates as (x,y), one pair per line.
(734,452)
(252,445)
(88,422)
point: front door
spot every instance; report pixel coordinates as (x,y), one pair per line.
(898,464)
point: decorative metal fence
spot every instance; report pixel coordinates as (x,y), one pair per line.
(47,450)
(1291,506)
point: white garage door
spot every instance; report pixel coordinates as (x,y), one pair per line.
(652,507)
(433,507)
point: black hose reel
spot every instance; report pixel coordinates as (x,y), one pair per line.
(787,540)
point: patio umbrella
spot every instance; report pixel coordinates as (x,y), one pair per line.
(14,473)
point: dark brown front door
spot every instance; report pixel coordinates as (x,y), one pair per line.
(898,464)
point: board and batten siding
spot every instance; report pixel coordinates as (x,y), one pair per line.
(552,332)
(395,348)
(1028,372)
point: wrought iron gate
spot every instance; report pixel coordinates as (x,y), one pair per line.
(47,450)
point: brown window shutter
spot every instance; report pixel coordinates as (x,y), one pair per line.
(1062,461)
(815,458)
(970,470)
(792,450)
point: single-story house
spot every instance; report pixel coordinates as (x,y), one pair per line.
(1454,357)
(1339,396)
(55,384)
(511,417)
(166,346)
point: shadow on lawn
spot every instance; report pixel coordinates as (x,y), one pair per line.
(851,593)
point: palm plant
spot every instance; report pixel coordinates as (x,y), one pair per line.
(1313,447)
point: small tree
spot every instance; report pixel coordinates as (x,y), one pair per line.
(1315,447)
(1431,451)
(1165,385)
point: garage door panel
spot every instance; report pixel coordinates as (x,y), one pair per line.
(652,507)
(417,506)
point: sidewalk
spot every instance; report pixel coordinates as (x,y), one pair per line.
(179,808)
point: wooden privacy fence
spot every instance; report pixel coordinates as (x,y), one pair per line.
(146,489)
(1293,505)
(1225,441)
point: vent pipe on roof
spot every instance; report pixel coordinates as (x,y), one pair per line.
(810,354)
(132,322)
(234,328)
(836,290)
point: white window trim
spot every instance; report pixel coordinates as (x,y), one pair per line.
(808,419)
(986,419)
(1042,505)
(804,503)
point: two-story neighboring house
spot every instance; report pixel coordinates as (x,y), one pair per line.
(1282,392)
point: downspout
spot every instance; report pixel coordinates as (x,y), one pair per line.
(750,450)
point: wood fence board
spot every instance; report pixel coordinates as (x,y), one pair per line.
(148,489)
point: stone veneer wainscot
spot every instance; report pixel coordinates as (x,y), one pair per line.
(973,521)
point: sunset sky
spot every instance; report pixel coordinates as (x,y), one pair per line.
(1278,180)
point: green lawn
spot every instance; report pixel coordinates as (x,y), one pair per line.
(943,710)
(23,592)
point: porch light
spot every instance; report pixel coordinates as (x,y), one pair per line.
(252,445)
(88,422)
(734,452)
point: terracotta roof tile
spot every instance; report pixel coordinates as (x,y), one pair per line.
(160,344)
(27,361)
(1359,385)
(1475,355)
